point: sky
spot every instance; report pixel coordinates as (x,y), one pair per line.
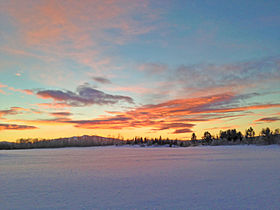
(125,68)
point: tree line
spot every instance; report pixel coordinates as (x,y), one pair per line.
(266,136)
(230,136)
(227,137)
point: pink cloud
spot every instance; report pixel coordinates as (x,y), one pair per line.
(2,92)
(29,92)
(26,91)
(13,111)
(74,30)
(132,89)
(2,85)
(53,105)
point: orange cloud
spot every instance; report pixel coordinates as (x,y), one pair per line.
(16,127)
(178,115)
(49,122)
(29,92)
(2,85)
(26,91)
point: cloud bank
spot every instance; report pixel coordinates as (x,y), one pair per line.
(179,116)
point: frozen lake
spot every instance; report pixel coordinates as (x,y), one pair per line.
(222,177)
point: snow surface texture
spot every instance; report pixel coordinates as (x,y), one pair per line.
(222,177)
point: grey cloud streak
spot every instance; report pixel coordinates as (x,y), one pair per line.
(84,96)
(102,80)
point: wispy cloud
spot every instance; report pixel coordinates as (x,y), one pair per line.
(223,128)
(26,91)
(235,77)
(80,32)
(1,86)
(153,68)
(53,105)
(178,115)
(16,127)
(29,92)
(61,114)
(139,89)
(184,130)
(175,116)
(13,111)
(268,119)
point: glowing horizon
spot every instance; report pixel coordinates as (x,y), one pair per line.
(138,68)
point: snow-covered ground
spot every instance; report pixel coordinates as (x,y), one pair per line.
(222,177)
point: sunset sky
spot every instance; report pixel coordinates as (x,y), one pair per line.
(138,67)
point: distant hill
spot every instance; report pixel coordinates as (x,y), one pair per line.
(75,141)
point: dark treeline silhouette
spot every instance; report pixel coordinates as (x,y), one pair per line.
(77,141)
(153,141)
(232,136)
(228,137)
